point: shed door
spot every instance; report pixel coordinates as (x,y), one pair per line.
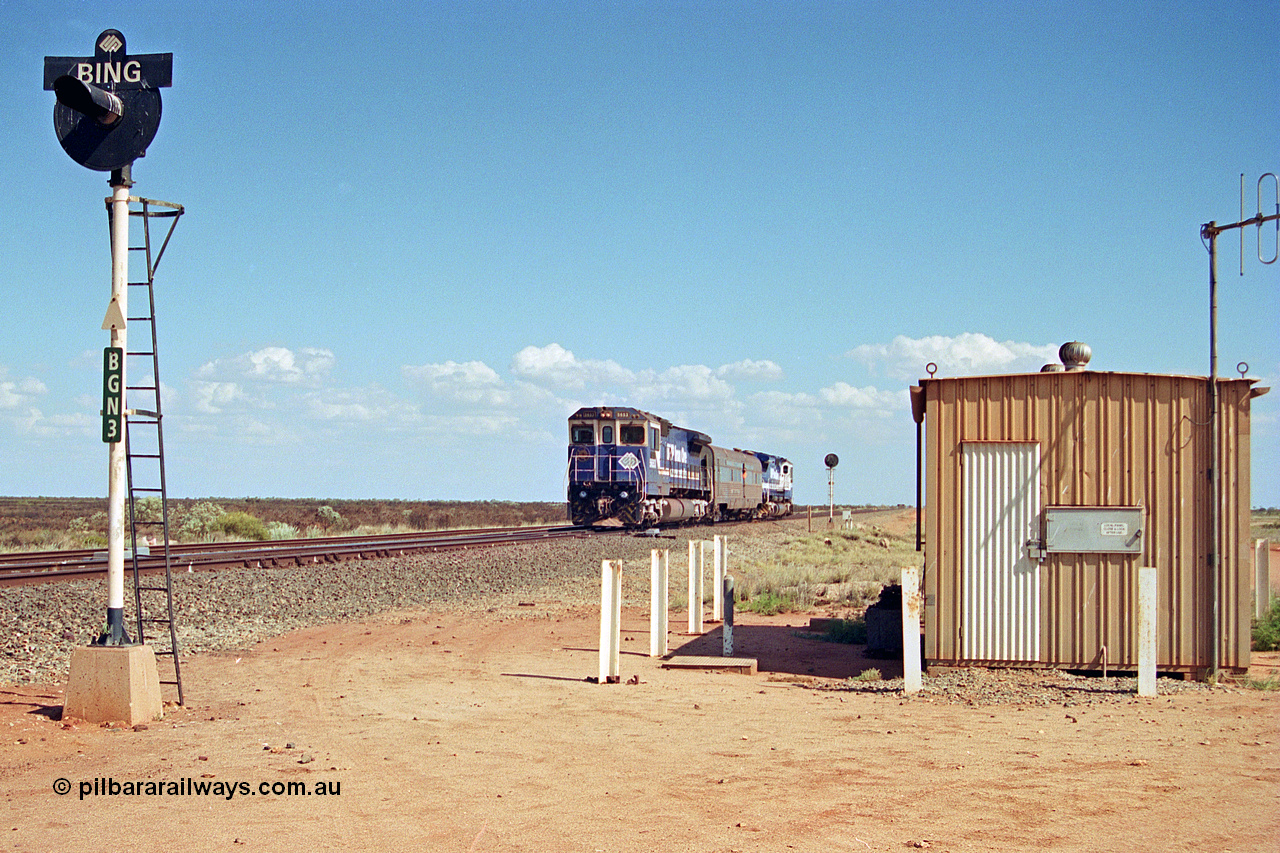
(1001,591)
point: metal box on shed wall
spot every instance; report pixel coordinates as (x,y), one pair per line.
(1116,443)
(1092,529)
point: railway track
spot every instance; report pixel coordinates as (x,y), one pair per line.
(45,566)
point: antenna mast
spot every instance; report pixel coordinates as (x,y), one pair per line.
(1210,231)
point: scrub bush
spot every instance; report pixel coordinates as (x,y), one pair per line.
(243,526)
(1266,631)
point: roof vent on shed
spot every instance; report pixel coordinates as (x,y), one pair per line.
(1075,355)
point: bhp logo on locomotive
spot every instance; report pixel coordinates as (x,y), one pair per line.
(677,454)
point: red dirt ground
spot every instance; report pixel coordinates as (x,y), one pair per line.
(478,732)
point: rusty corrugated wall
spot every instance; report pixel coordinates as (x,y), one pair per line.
(1112,440)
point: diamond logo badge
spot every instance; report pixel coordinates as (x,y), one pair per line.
(110,44)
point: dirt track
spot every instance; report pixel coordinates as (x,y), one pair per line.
(477,732)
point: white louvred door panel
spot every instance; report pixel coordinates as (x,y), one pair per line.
(1001,592)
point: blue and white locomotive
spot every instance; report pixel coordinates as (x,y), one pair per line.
(637,468)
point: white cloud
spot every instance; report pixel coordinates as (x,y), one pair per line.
(360,404)
(868,399)
(306,366)
(35,423)
(285,399)
(243,428)
(784,400)
(9,396)
(792,412)
(14,394)
(748,369)
(455,373)
(965,354)
(684,390)
(469,382)
(689,383)
(214,397)
(324,407)
(558,366)
(462,427)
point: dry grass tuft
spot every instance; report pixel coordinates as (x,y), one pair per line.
(844,568)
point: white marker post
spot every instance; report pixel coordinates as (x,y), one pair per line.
(610,619)
(658,567)
(695,606)
(702,582)
(1147,639)
(1261,578)
(719,550)
(911,606)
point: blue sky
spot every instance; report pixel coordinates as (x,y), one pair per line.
(418,236)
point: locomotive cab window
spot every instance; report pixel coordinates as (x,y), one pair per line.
(583,434)
(631,434)
(653,438)
(606,434)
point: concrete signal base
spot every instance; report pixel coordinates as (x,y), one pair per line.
(113,683)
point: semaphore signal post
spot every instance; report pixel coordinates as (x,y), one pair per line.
(107,114)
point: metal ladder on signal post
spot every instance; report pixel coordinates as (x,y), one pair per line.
(144,449)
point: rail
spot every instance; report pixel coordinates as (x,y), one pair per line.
(35,567)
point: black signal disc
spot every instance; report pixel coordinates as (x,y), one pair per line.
(104,148)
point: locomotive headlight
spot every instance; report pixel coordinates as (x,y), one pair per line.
(622,495)
(582,494)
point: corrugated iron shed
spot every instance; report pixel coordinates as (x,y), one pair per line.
(1002,452)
